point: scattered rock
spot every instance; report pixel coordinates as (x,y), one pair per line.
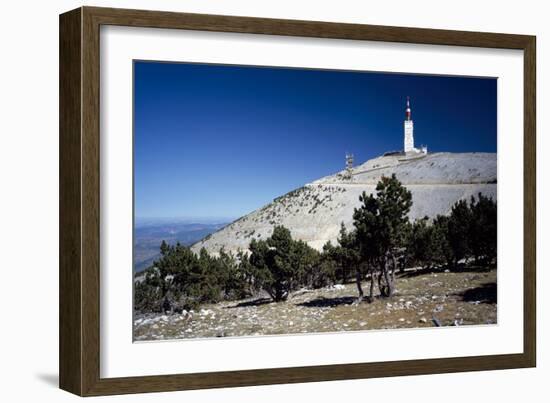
(438,308)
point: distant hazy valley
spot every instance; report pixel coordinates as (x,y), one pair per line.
(149,234)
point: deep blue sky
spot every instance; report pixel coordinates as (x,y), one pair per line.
(221,141)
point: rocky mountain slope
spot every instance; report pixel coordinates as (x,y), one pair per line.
(313,213)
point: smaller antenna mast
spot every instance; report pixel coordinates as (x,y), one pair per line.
(349,166)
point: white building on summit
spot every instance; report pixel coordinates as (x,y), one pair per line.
(409,135)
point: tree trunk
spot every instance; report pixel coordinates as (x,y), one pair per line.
(166,305)
(389,282)
(394,266)
(385,281)
(380,281)
(358,282)
(371,291)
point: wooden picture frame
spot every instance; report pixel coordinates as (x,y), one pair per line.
(79,280)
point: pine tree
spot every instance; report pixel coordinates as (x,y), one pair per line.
(483,229)
(347,253)
(380,224)
(282,264)
(458,230)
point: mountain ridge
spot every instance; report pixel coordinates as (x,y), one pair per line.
(314,212)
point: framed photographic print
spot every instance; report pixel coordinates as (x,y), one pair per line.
(249,201)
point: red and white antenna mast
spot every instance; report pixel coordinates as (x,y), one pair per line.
(408,110)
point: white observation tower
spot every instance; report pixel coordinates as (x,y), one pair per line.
(408,126)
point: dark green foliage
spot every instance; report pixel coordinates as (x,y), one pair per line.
(380,227)
(439,242)
(180,279)
(271,258)
(329,270)
(427,244)
(394,204)
(147,298)
(470,231)
(346,254)
(282,264)
(380,222)
(483,229)
(418,243)
(458,230)
(308,265)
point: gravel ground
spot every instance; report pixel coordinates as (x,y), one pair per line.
(422,299)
